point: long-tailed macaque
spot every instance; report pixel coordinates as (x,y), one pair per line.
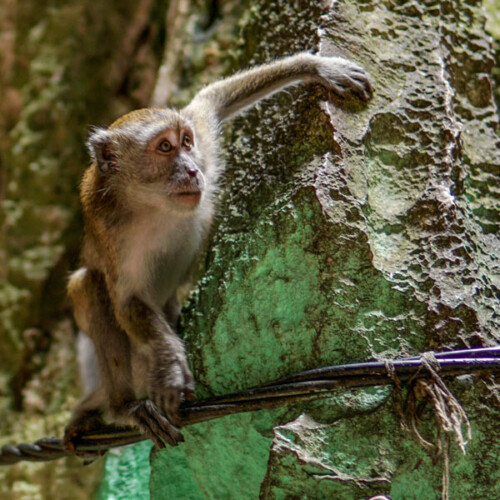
(148,201)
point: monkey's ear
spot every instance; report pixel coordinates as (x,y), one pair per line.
(101,150)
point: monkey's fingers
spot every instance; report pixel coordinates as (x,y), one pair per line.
(361,87)
(342,76)
(349,85)
(189,393)
(356,82)
(367,86)
(168,401)
(171,401)
(149,419)
(189,385)
(168,394)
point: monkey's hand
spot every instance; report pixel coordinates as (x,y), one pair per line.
(170,380)
(342,76)
(145,414)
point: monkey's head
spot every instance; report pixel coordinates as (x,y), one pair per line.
(150,158)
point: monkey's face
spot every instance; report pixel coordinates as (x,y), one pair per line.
(151,160)
(170,166)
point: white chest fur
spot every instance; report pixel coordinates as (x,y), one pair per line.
(156,253)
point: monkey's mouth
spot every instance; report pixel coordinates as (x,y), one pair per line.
(188,197)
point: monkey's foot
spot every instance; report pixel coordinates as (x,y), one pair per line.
(148,418)
(78,427)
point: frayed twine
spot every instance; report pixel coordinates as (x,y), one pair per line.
(449,413)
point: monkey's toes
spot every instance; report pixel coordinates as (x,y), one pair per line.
(69,441)
(72,434)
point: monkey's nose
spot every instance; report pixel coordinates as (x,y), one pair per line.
(192,172)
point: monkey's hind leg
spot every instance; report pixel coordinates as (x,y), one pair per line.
(113,351)
(114,355)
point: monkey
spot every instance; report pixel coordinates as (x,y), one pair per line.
(148,200)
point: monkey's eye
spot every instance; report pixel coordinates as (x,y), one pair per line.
(165,146)
(187,142)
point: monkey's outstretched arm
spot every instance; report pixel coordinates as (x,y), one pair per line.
(232,95)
